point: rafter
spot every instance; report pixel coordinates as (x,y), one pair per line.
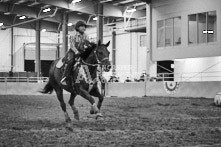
(87,7)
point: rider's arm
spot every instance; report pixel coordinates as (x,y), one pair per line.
(72,44)
(86,41)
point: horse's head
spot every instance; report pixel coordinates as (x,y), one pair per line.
(102,54)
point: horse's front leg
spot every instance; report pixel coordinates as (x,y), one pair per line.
(74,108)
(97,93)
(85,94)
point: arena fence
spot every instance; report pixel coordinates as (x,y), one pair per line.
(165,85)
(24,79)
(190,76)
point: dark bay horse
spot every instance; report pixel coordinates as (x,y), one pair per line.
(83,80)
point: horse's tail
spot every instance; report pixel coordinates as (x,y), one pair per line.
(47,89)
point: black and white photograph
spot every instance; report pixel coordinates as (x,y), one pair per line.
(110,73)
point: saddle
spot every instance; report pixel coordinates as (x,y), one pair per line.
(62,61)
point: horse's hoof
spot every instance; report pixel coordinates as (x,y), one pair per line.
(99,116)
(69,127)
(93,112)
(94,109)
(68,120)
(76,116)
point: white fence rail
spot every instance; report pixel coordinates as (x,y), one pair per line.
(178,77)
(24,79)
(190,76)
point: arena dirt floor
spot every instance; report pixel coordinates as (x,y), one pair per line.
(134,122)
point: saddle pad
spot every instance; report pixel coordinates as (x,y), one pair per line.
(59,64)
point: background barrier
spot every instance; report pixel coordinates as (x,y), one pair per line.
(183,89)
(22,88)
(139,89)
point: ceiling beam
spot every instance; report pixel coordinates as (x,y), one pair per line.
(20,10)
(31,12)
(146,1)
(31,20)
(50,26)
(117,1)
(87,7)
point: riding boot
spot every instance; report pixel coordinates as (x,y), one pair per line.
(67,71)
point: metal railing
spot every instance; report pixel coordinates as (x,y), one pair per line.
(178,77)
(24,79)
(190,76)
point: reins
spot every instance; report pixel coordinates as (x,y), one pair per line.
(98,61)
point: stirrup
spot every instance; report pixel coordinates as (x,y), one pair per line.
(63,81)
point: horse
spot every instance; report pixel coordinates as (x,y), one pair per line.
(83,80)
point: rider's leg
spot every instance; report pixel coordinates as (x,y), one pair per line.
(67,71)
(68,57)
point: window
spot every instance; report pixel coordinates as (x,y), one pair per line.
(211,26)
(192,29)
(169,32)
(143,40)
(202,27)
(160,34)
(177,31)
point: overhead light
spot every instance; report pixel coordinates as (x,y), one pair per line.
(131,10)
(43,30)
(210,32)
(70,24)
(1,24)
(95,18)
(75,1)
(7,13)
(22,17)
(47,10)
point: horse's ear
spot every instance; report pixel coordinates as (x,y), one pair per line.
(99,42)
(107,44)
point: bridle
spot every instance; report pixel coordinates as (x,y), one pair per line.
(97,59)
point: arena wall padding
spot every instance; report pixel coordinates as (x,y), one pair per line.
(22,88)
(184,89)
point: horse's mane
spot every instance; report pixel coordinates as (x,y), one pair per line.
(88,51)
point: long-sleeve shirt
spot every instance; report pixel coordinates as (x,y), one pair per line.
(78,41)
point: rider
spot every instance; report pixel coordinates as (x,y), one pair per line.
(78,43)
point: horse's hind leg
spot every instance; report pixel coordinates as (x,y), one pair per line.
(59,93)
(75,110)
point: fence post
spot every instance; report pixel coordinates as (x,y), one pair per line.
(201,76)
(5,85)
